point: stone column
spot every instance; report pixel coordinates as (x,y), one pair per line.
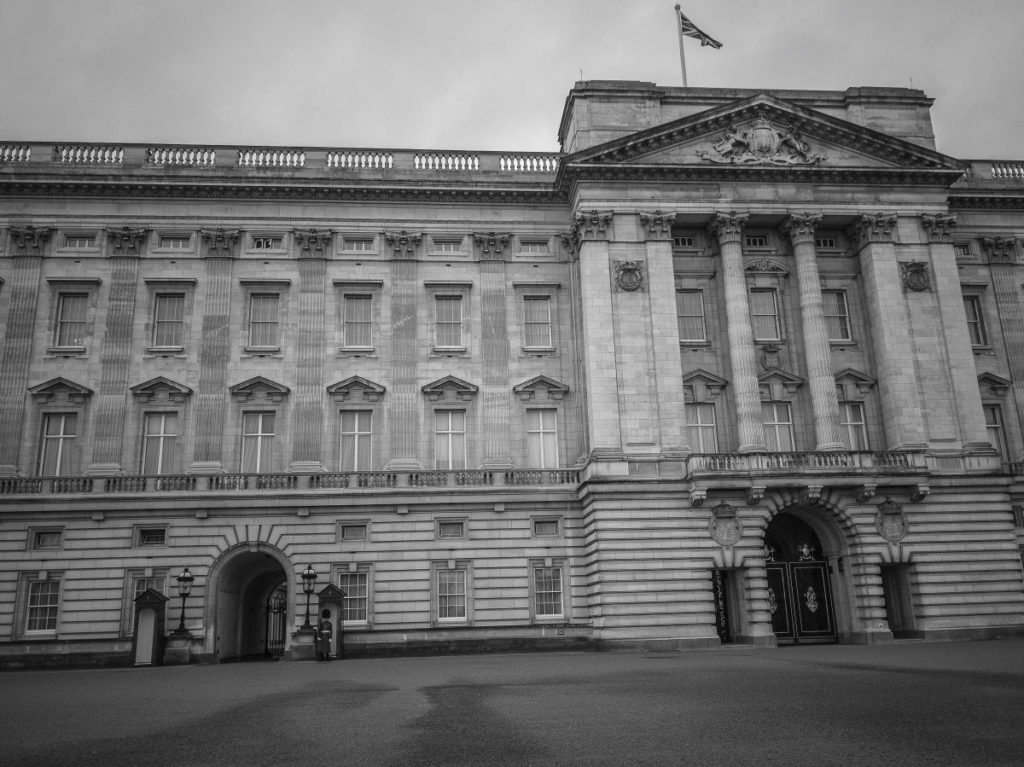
(406,411)
(800,227)
(27,245)
(728,228)
(116,356)
(871,236)
(211,392)
(494,350)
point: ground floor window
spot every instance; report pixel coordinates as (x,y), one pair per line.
(41,604)
(355,608)
(548,591)
(451,581)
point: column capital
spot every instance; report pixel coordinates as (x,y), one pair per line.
(728,227)
(220,243)
(28,240)
(403,244)
(312,242)
(591,225)
(939,226)
(126,241)
(1000,249)
(657,225)
(869,228)
(491,244)
(800,227)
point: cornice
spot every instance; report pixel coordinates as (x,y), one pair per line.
(980,201)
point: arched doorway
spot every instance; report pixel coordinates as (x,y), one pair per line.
(799,588)
(249,602)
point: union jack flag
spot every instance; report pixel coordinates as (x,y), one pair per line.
(690,29)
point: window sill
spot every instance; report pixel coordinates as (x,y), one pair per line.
(449,351)
(66,351)
(694,344)
(166,351)
(983,350)
(263,351)
(357,351)
(538,351)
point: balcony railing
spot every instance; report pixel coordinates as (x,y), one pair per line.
(831,462)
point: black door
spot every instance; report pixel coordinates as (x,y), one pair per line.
(799,590)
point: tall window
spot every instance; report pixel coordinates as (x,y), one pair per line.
(42,602)
(975,321)
(355,440)
(56,454)
(541,439)
(71,316)
(837,315)
(854,431)
(169,319)
(537,314)
(701,428)
(994,429)
(778,426)
(355,586)
(547,591)
(257,442)
(449,439)
(449,320)
(690,310)
(451,594)
(358,320)
(764,314)
(159,439)
(263,319)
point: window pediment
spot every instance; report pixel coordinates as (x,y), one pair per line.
(160,387)
(850,377)
(703,385)
(450,387)
(355,387)
(60,388)
(529,390)
(258,388)
(776,382)
(996,385)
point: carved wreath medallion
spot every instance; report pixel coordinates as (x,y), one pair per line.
(629,275)
(914,275)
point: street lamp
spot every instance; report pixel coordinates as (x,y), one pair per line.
(308,585)
(185,580)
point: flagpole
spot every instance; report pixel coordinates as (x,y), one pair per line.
(682,56)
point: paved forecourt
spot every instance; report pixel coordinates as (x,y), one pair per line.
(907,704)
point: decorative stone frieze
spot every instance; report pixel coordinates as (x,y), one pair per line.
(491,244)
(629,275)
(870,228)
(312,242)
(891,522)
(765,266)
(914,276)
(800,227)
(1000,249)
(220,243)
(939,227)
(657,225)
(725,525)
(28,240)
(762,143)
(403,244)
(126,241)
(728,227)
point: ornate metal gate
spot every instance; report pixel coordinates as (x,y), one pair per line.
(799,592)
(277,618)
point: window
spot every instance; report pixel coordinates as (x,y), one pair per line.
(356,588)
(701,430)
(534,247)
(267,243)
(151,536)
(56,453)
(690,310)
(546,528)
(357,244)
(962,249)
(755,241)
(837,315)
(764,314)
(537,321)
(358,319)
(541,439)
(263,320)
(450,439)
(547,591)
(257,442)
(71,319)
(159,439)
(778,426)
(353,532)
(356,440)
(45,538)
(994,429)
(683,242)
(169,320)
(975,321)
(448,313)
(448,245)
(452,594)
(447,528)
(854,430)
(80,241)
(825,243)
(175,241)
(41,605)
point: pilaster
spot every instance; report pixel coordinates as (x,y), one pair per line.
(1005,268)
(308,417)
(494,350)
(405,410)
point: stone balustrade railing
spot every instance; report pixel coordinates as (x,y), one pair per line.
(1001,171)
(831,462)
(226,158)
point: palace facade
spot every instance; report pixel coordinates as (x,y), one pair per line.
(732,367)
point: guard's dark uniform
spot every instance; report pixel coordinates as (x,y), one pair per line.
(324,634)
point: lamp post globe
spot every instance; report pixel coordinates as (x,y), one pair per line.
(308,586)
(185,579)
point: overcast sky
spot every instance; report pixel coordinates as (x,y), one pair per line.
(475,74)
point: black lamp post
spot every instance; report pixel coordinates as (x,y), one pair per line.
(185,580)
(308,585)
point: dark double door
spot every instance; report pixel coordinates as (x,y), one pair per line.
(800,602)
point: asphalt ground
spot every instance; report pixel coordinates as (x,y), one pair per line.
(903,704)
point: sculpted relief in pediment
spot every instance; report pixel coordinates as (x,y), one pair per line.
(761,142)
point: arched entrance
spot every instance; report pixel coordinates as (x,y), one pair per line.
(799,588)
(249,604)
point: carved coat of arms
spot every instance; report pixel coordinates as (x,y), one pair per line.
(762,142)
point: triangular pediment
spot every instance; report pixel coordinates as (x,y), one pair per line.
(853,384)
(450,387)
(258,389)
(765,133)
(60,387)
(158,387)
(355,387)
(993,384)
(775,383)
(532,388)
(700,385)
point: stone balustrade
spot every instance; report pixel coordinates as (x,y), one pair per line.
(15,152)
(184,155)
(825,462)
